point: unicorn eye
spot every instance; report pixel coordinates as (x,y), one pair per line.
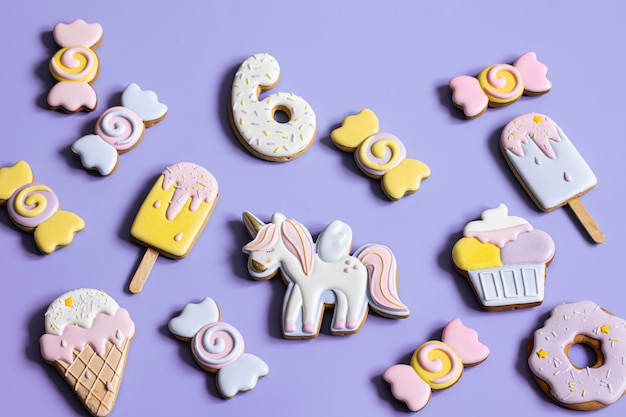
(271,250)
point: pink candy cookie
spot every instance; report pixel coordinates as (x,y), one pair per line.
(323,274)
(75,66)
(436,365)
(500,85)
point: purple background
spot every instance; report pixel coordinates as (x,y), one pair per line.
(392,57)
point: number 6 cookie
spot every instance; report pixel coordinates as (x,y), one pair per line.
(253,120)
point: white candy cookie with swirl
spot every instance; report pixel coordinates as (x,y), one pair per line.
(218,347)
(119,129)
(256,122)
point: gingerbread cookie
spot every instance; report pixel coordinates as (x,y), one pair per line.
(253,120)
(87,337)
(436,365)
(380,155)
(119,129)
(500,85)
(75,66)
(35,208)
(591,387)
(323,274)
(504,259)
(218,347)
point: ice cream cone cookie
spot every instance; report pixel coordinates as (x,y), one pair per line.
(500,85)
(75,66)
(35,208)
(590,387)
(119,129)
(218,347)
(380,155)
(504,259)
(323,274)
(255,121)
(549,166)
(87,337)
(173,215)
(436,365)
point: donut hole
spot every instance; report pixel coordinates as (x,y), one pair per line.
(585,352)
(281,114)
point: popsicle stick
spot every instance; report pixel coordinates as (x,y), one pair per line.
(143,270)
(587,221)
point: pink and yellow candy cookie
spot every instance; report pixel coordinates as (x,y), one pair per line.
(500,85)
(436,365)
(380,155)
(218,347)
(35,208)
(75,66)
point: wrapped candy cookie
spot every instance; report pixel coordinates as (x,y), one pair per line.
(35,208)
(218,347)
(119,129)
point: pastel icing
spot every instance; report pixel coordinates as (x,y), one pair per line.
(78,307)
(75,66)
(380,155)
(499,85)
(253,119)
(323,273)
(176,209)
(436,365)
(595,385)
(218,347)
(119,129)
(504,258)
(545,160)
(35,207)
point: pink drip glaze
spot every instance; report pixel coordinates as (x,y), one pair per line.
(537,127)
(105,327)
(192,181)
(499,237)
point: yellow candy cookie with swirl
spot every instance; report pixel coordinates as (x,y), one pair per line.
(35,208)
(380,155)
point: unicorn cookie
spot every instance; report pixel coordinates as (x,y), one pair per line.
(380,155)
(218,347)
(119,129)
(323,274)
(436,365)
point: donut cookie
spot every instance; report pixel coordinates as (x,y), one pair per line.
(549,166)
(504,259)
(500,85)
(35,208)
(173,215)
(380,155)
(323,274)
(119,129)
(436,365)
(87,337)
(218,347)
(75,66)
(253,120)
(594,386)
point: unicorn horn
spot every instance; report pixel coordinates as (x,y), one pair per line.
(253,224)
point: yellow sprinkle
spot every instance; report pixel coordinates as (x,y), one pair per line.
(285,137)
(301,136)
(277,149)
(297,119)
(583,393)
(69,302)
(605,329)
(247,81)
(269,100)
(266,133)
(269,77)
(236,85)
(542,354)
(241,121)
(202,184)
(242,102)
(290,98)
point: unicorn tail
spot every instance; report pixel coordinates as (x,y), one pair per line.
(383,280)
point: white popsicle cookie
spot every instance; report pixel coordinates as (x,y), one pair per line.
(549,166)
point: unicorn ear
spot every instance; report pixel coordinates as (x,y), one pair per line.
(407,386)
(193,318)
(464,341)
(278,218)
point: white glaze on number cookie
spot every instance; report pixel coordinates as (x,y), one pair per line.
(595,386)
(253,119)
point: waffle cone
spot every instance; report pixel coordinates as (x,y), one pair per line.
(96,379)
